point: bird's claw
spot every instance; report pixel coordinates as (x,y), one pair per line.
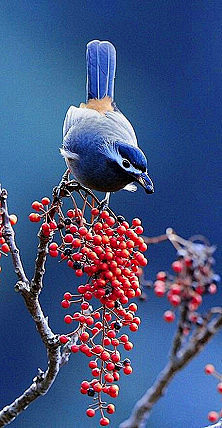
(103,205)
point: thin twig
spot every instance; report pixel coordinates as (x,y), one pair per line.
(36,282)
(9,236)
(178,339)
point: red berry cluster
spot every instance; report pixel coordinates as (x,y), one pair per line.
(193,277)
(4,248)
(42,210)
(109,252)
(210,370)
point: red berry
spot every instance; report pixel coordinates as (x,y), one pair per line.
(5,248)
(104,421)
(161,276)
(97,239)
(127,370)
(133,307)
(13,219)
(111,334)
(105,355)
(53,225)
(63,339)
(45,228)
(209,369)
(213,416)
(109,378)
(53,246)
(68,319)
(84,306)
(84,348)
(139,230)
(169,316)
(84,337)
(212,288)
(36,205)
(177,266)
(94,211)
(115,357)
(136,222)
(110,408)
(159,289)
(175,300)
(113,389)
(82,231)
(45,201)
(95,372)
(92,364)
(175,289)
(75,348)
(65,304)
(53,253)
(97,387)
(124,338)
(67,296)
(76,243)
(87,295)
(70,213)
(34,217)
(85,384)
(107,341)
(110,366)
(90,413)
(104,214)
(128,346)
(219,387)
(79,272)
(133,327)
(98,349)
(68,238)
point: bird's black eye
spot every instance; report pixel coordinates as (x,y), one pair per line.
(126,163)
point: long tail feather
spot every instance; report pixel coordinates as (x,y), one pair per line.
(101,67)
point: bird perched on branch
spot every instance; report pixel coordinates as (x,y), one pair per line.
(99,143)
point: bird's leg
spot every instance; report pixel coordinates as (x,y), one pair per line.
(104,203)
(57,190)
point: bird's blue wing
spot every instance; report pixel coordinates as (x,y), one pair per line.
(101,68)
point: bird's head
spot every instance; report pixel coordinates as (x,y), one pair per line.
(132,162)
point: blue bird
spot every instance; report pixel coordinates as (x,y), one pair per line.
(99,143)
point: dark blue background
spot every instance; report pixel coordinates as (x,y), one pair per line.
(169,84)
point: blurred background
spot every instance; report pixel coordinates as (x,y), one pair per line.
(169,84)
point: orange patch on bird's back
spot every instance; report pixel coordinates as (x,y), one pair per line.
(102,106)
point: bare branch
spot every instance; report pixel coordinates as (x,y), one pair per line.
(42,381)
(40,386)
(143,407)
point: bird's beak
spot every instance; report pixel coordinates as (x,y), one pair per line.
(145,181)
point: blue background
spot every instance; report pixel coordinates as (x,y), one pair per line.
(169,84)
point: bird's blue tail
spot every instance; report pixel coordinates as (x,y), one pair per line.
(101,67)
